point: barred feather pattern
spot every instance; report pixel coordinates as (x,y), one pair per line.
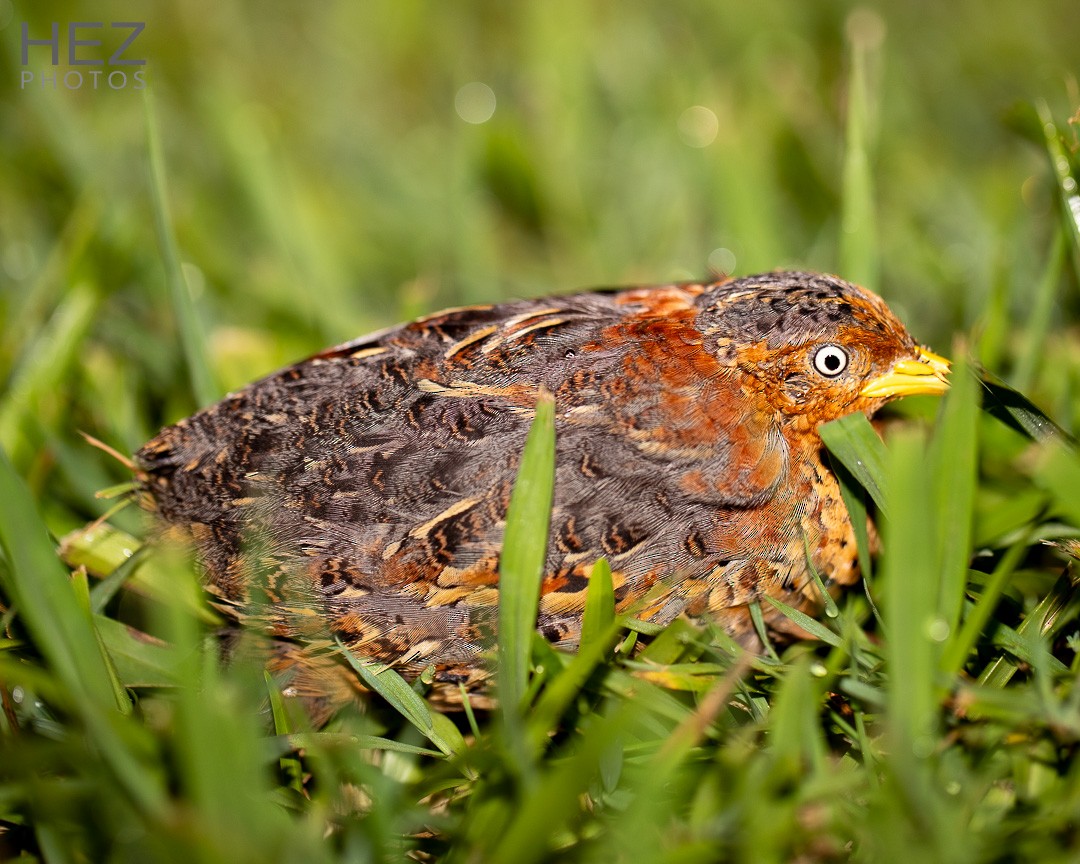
(362,493)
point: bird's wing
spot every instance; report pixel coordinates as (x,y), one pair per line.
(368,486)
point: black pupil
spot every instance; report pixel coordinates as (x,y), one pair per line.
(832,362)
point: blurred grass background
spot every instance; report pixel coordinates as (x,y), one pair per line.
(323,183)
(332,169)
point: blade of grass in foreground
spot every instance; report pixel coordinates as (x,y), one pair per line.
(854,442)
(554,801)
(557,695)
(140,660)
(1018,412)
(962,644)
(1043,620)
(218,742)
(911,599)
(655,786)
(854,495)
(599,604)
(598,632)
(953,467)
(396,690)
(44,596)
(521,567)
(64,634)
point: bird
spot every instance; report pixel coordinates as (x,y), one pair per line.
(359,497)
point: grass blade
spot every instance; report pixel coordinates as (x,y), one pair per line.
(396,691)
(958,649)
(63,632)
(43,593)
(910,596)
(599,604)
(1018,412)
(1041,317)
(204,388)
(854,496)
(1043,620)
(858,227)
(218,738)
(521,567)
(43,367)
(853,441)
(140,660)
(99,547)
(795,737)
(811,625)
(299,740)
(953,467)
(558,694)
(289,765)
(1062,166)
(556,794)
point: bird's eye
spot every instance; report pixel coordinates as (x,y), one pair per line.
(830,360)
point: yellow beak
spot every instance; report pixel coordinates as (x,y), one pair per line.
(927,374)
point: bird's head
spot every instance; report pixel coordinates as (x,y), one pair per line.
(815,347)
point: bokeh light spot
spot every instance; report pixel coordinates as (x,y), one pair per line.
(475,102)
(698,126)
(938,630)
(721,261)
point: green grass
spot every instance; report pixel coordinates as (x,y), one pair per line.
(297,177)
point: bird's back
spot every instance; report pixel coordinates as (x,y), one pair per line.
(366,488)
(362,494)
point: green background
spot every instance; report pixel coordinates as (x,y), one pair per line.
(322,184)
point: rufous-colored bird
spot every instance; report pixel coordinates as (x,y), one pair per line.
(362,493)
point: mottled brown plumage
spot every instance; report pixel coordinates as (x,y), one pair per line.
(362,493)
